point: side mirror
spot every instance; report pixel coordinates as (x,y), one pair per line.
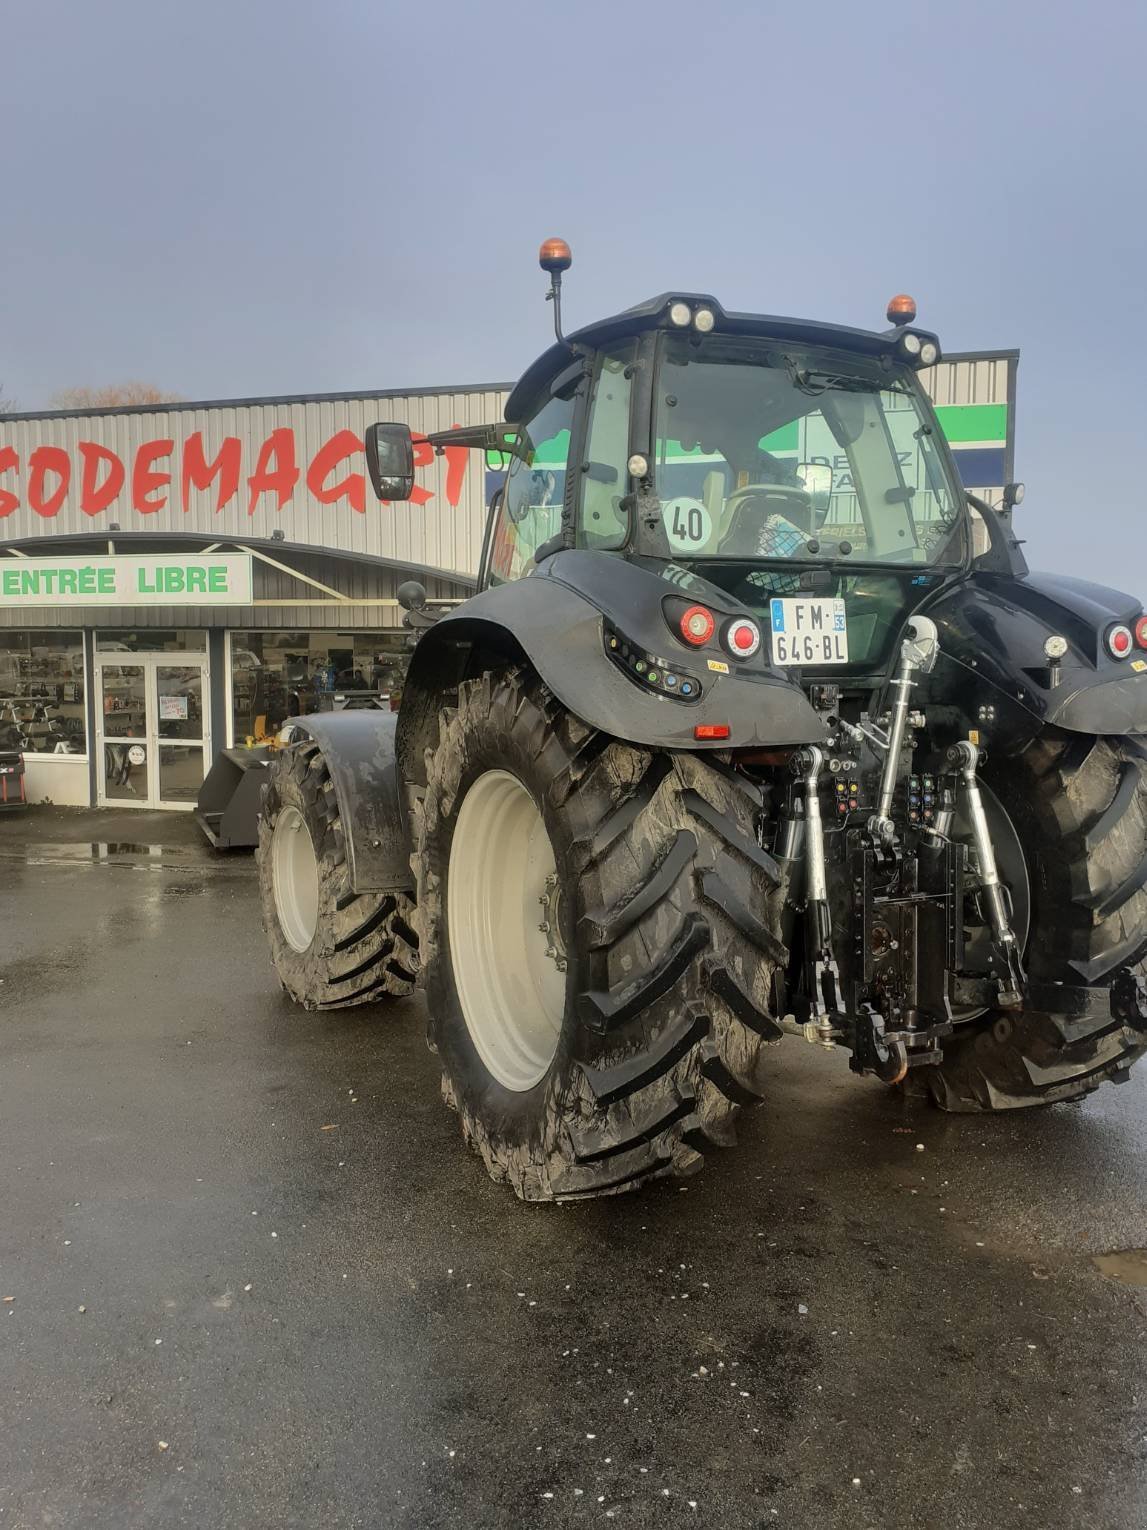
(817,480)
(390,460)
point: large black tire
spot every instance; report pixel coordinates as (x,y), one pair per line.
(1080,807)
(364,947)
(669,912)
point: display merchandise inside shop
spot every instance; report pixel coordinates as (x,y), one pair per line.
(42,692)
(276,675)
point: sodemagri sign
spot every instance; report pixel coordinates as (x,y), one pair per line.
(162,579)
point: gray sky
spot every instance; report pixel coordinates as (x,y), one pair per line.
(232,197)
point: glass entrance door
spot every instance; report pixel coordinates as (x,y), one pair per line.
(121,746)
(155,735)
(181,724)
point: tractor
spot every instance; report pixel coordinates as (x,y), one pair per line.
(758,726)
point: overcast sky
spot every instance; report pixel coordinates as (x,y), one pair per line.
(232,197)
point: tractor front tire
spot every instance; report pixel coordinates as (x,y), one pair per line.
(599,929)
(1079,805)
(331,947)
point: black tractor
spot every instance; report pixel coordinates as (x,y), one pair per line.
(758,725)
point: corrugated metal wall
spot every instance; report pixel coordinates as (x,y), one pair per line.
(435,535)
(977,381)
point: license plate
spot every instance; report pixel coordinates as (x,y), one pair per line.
(809,632)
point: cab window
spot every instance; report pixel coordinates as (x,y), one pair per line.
(529,511)
(602,523)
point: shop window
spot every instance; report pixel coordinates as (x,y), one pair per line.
(42,692)
(276,675)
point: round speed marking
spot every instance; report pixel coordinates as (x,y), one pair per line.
(688,524)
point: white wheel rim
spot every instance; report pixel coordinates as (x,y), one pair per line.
(501,869)
(295,873)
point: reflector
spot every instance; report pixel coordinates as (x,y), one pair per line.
(697,625)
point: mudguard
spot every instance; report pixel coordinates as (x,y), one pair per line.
(359,751)
(992,633)
(562,619)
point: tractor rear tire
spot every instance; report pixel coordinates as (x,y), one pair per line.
(331,947)
(1079,805)
(638,1002)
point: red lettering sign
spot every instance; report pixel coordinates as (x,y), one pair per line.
(353,487)
(102,474)
(9,462)
(199,472)
(144,480)
(279,448)
(45,460)
(95,497)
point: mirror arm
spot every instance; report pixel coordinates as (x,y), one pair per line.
(489,438)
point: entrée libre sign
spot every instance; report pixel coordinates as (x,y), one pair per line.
(161,579)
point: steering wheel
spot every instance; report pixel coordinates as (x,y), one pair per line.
(747,509)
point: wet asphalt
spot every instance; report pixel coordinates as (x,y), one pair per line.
(252,1276)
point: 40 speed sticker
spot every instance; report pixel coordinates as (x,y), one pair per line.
(688,524)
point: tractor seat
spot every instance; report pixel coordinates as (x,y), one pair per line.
(764,520)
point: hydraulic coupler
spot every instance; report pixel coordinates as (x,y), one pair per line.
(965,756)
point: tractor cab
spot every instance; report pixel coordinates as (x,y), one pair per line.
(797,467)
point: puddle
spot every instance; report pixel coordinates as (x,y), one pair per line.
(1128,1265)
(97,850)
(108,852)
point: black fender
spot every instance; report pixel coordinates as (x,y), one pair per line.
(562,618)
(992,630)
(359,751)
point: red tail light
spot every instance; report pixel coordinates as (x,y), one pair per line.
(1141,632)
(698,625)
(711,730)
(742,638)
(1119,641)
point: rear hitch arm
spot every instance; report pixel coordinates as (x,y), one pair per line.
(918,654)
(826,997)
(965,756)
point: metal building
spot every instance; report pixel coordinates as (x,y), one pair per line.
(178,579)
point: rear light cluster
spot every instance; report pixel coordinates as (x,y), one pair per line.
(1120,639)
(740,637)
(698,625)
